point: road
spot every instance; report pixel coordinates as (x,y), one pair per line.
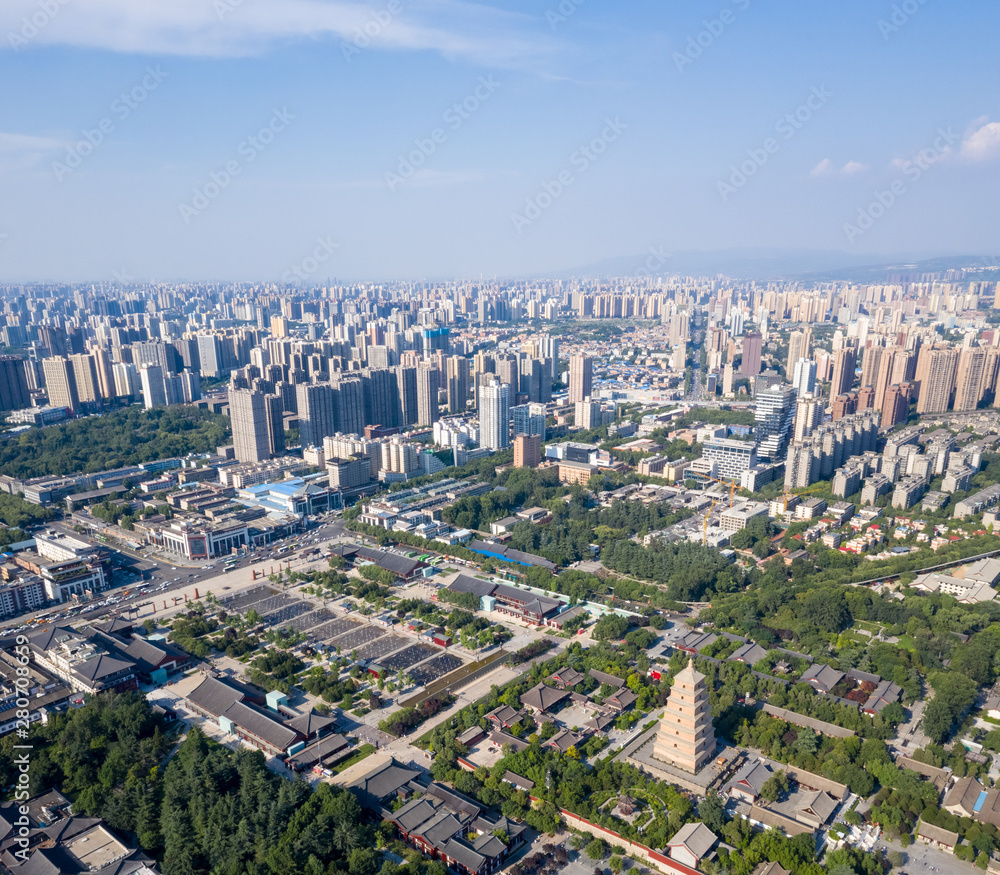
(182,577)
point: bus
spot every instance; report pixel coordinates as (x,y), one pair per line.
(230,564)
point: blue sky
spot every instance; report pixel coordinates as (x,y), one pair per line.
(598,130)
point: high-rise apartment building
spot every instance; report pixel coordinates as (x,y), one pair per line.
(127,383)
(348,405)
(581,378)
(548,349)
(60,383)
(406,381)
(381,397)
(796,350)
(808,416)
(209,355)
(752,347)
(845,363)
(427,395)
(527,451)
(895,404)
(936,369)
(458,383)
(274,412)
(315,403)
(494,415)
(248,412)
(970,378)
(13,383)
(773,416)
(804,377)
(153,391)
(86,378)
(529,419)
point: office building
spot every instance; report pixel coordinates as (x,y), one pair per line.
(581,378)
(494,415)
(729,458)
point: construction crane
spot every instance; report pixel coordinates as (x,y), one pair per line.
(704,528)
(730,483)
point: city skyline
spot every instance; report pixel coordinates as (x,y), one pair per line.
(250,141)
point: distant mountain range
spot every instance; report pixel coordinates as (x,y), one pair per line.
(805,265)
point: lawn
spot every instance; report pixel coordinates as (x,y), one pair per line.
(356,757)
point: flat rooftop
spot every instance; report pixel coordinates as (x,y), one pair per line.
(96,848)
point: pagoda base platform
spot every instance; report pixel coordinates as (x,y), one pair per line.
(699,782)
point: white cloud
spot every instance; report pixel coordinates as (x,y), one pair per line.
(27,143)
(824,168)
(233,28)
(981,141)
(22,152)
